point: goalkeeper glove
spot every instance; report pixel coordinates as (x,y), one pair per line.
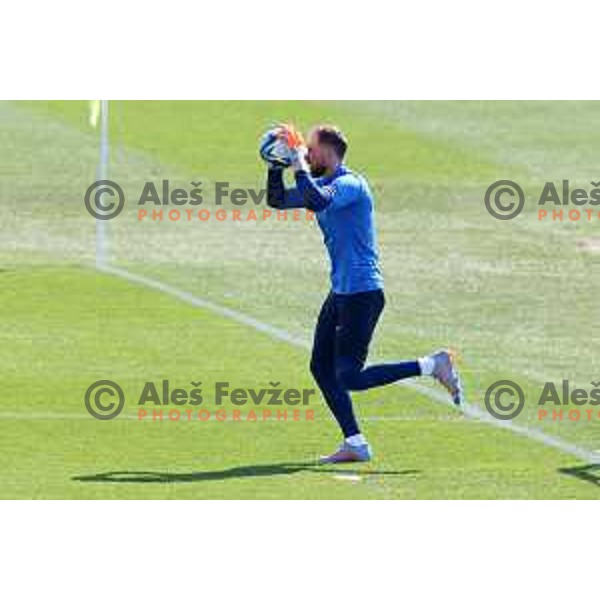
(295,142)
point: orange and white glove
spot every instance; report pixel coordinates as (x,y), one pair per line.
(297,146)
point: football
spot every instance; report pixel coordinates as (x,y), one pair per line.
(274,151)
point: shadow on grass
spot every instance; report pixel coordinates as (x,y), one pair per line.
(232,473)
(589,473)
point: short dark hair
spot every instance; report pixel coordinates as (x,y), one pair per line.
(332,136)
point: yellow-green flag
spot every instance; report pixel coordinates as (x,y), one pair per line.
(94,112)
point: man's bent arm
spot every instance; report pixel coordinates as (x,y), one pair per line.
(278,196)
(341,192)
(315,198)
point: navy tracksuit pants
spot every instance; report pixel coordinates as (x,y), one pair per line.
(344,330)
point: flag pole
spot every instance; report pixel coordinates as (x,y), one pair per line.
(102,173)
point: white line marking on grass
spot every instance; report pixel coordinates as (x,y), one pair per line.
(352,477)
(474,412)
(470,411)
(83,416)
(230,313)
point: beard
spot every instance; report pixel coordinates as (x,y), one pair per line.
(317,170)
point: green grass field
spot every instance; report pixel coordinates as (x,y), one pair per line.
(518,298)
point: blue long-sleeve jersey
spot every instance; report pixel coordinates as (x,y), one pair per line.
(345,212)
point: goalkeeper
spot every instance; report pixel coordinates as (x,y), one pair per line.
(344,208)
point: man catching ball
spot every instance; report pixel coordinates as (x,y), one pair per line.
(345,212)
